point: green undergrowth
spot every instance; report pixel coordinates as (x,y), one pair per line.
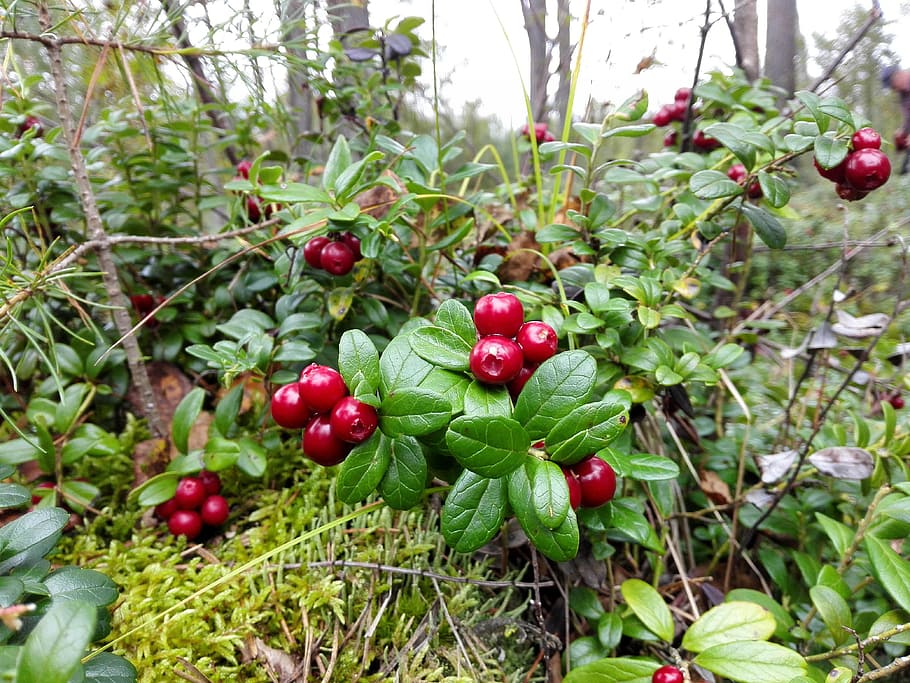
(324,622)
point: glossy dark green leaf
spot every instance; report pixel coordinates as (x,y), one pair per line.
(450,385)
(587,429)
(767,227)
(834,611)
(713,185)
(185,417)
(485,399)
(413,411)
(774,189)
(440,347)
(106,667)
(404,480)
(339,159)
(455,317)
(734,138)
(830,151)
(358,362)
(489,446)
(614,670)
(156,490)
(585,602)
(557,387)
(11,590)
(55,647)
(364,468)
(31,536)
(86,585)
(474,511)
(400,366)
(609,630)
(892,571)
(228,409)
(559,544)
(293,193)
(13,495)
(549,492)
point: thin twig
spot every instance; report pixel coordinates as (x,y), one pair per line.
(422,573)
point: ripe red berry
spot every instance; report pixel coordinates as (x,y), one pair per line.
(835,174)
(321,387)
(289,409)
(538,341)
(31,123)
(353,421)
(703,141)
(574,488)
(211,481)
(867,169)
(253,208)
(312,250)
(185,522)
(243,168)
(683,95)
(670,138)
(866,138)
(667,674)
(518,383)
(663,117)
(320,443)
(500,313)
(164,510)
(496,359)
(737,173)
(142,303)
(190,493)
(215,510)
(337,258)
(849,193)
(896,401)
(353,243)
(597,479)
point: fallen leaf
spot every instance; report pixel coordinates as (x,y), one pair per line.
(843,462)
(280,665)
(714,487)
(774,466)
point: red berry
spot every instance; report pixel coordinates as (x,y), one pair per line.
(289,410)
(312,250)
(538,341)
(164,510)
(901,141)
(667,674)
(211,481)
(866,138)
(353,243)
(663,117)
(185,522)
(353,421)
(597,479)
(320,443)
(670,138)
(31,123)
(190,493)
(517,384)
(500,313)
(896,402)
(243,168)
(337,258)
(848,192)
(215,510)
(835,174)
(574,488)
(867,169)
(253,208)
(44,485)
(496,360)
(678,110)
(683,95)
(704,142)
(737,173)
(142,303)
(321,387)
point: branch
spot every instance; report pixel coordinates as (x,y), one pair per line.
(874,15)
(422,573)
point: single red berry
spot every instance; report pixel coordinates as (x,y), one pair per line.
(353,421)
(44,486)
(353,243)
(678,110)
(683,95)
(289,409)
(243,169)
(500,313)
(896,401)
(867,169)
(835,174)
(320,443)
(737,173)
(518,383)
(337,258)
(663,117)
(321,387)
(703,141)
(849,193)
(312,250)
(142,303)
(253,208)
(597,479)
(538,341)
(215,510)
(496,359)
(541,133)
(670,138)
(574,488)
(190,493)
(667,674)
(901,141)
(866,138)
(211,481)
(164,510)
(31,123)
(186,523)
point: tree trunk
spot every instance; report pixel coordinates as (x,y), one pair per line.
(535,16)
(780,44)
(347,16)
(745,25)
(564,65)
(300,97)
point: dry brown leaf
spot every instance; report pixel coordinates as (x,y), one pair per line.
(376,201)
(520,265)
(280,665)
(714,487)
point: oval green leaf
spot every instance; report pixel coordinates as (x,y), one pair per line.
(474,511)
(649,607)
(557,387)
(753,662)
(729,622)
(490,446)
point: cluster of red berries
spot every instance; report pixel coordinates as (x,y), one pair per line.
(509,349)
(196,503)
(676,111)
(541,134)
(865,168)
(591,481)
(667,674)
(256,210)
(331,420)
(335,254)
(738,174)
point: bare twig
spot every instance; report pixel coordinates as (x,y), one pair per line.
(874,15)
(422,573)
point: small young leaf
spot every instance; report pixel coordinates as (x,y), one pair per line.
(556,388)
(489,446)
(455,317)
(729,622)
(364,468)
(413,411)
(403,483)
(441,347)
(649,606)
(358,362)
(753,662)
(474,511)
(185,417)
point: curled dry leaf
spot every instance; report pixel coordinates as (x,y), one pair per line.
(857,328)
(714,487)
(843,462)
(774,466)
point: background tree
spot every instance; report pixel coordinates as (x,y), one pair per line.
(549,57)
(781,41)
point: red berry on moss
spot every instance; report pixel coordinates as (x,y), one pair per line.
(867,169)
(190,493)
(353,421)
(215,510)
(320,443)
(538,341)
(500,313)
(312,250)
(289,409)
(321,387)
(496,359)
(597,479)
(164,510)
(211,481)
(667,674)
(866,138)
(186,523)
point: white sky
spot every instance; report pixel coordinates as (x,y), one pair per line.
(478,60)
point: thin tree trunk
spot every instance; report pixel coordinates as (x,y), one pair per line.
(535,16)
(745,25)
(780,44)
(300,96)
(564,65)
(347,16)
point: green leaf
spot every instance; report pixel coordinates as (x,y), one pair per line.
(727,623)
(833,610)
(185,417)
(474,511)
(364,468)
(648,317)
(441,347)
(634,131)
(86,585)
(713,185)
(587,429)
(723,356)
(455,317)
(339,160)
(490,446)
(450,385)
(559,544)
(649,607)
(774,189)
(294,193)
(614,670)
(413,411)
(585,603)
(228,409)
(400,366)
(782,617)
(609,630)
(829,152)
(892,571)
(549,492)
(30,537)
(840,534)
(55,647)
(404,481)
(811,102)
(358,362)
(666,376)
(767,227)
(556,388)
(252,460)
(753,662)
(733,137)
(156,490)
(106,667)
(13,495)
(485,399)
